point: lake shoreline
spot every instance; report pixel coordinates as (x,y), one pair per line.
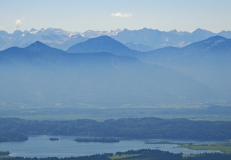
(41,146)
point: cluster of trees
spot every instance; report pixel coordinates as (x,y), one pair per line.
(102,140)
(4,153)
(139,128)
(151,154)
(92,157)
(53,139)
(12,136)
(143,154)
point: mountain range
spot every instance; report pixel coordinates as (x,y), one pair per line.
(104,71)
(141,40)
(160,39)
(41,74)
(207,61)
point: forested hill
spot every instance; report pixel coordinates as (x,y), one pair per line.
(127,128)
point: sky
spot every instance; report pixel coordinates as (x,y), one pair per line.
(106,15)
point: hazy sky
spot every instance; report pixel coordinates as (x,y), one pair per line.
(82,15)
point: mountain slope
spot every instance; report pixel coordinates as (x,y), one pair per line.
(46,75)
(208,61)
(138,47)
(214,46)
(43,49)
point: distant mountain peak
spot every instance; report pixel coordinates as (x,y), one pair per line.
(148,29)
(100,44)
(217,37)
(214,43)
(17,32)
(103,38)
(212,40)
(118,30)
(37,43)
(215,40)
(126,30)
(201,31)
(33,29)
(173,31)
(40,47)
(37,46)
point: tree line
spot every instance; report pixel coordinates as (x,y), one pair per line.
(143,154)
(138,128)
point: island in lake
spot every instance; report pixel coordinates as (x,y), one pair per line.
(162,142)
(53,139)
(101,140)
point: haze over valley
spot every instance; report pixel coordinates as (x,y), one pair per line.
(105,72)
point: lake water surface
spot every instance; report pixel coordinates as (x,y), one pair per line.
(41,146)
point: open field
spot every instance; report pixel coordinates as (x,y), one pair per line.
(116,156)
(224,148)
(99,113)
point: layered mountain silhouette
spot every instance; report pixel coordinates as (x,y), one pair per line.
(142,40)
(208,61)
(160,39)
(212,45)
(39,73)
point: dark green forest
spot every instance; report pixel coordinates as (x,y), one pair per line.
(143,154)
(53,139)
(4,153)
(12,136)
(139,128)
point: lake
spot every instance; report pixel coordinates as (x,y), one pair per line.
(41,146)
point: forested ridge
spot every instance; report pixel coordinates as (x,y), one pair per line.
(139,128)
